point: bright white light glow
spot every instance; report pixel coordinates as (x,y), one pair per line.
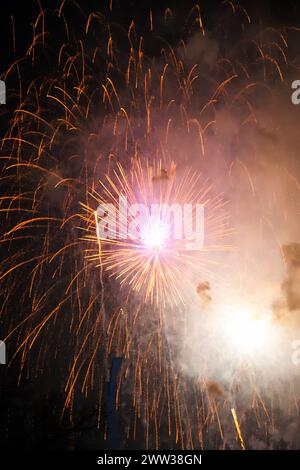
(248,331)
(154,235)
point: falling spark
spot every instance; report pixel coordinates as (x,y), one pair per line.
(238,429)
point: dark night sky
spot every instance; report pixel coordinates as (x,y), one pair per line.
(123,11)
(269,12)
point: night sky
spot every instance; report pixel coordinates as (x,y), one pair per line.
(34,410)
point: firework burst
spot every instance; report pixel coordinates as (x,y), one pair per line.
(105,120)
(149,259)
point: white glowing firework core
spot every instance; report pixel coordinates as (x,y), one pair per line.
(247,331)
(154,235)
